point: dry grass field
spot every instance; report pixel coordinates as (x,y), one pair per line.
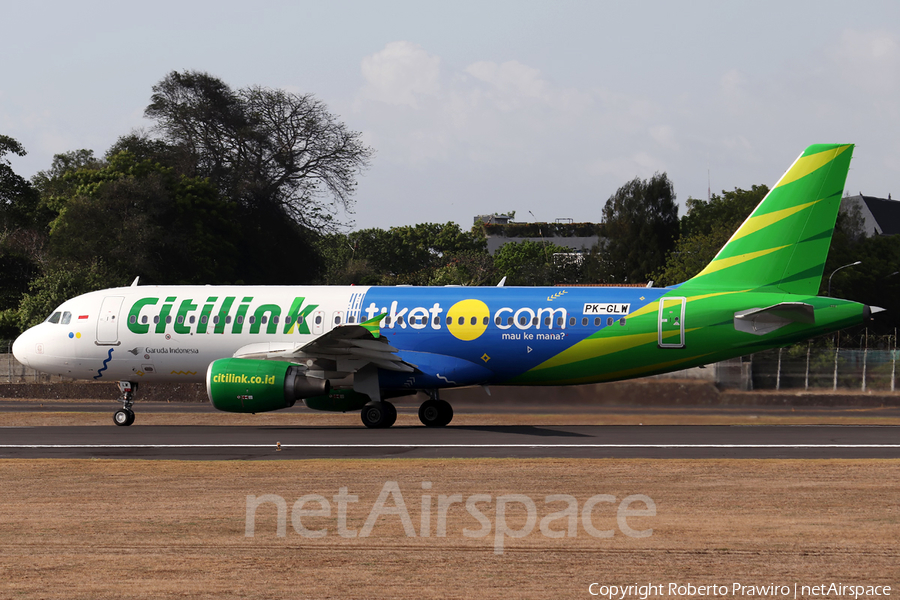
(97,529)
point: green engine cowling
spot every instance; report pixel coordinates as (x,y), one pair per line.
(251,386)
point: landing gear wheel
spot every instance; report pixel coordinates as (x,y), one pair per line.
(435,413)
(378,415)
(123,417)
(392,414)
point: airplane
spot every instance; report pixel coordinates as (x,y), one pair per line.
(263,348)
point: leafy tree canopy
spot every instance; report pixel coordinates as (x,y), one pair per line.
(262,148)
(531,263)
(706,227)
(641,224)
(140,218)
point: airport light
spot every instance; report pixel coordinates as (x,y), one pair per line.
(859,262)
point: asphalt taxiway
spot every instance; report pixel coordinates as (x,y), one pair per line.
(304,442)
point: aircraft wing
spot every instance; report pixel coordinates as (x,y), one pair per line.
(346,348)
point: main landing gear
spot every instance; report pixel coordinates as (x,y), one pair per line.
(125,416)
(435,412)
(381,414)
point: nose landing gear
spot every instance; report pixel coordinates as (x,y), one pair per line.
(125,416)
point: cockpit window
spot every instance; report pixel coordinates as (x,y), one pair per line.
(54,318)
(66,318)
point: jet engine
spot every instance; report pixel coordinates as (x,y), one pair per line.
(251,386)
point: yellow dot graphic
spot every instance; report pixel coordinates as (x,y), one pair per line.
(468,311)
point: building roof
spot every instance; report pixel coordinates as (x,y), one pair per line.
(886,214)
(880,216)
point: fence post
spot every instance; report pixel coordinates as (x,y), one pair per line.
(778,373)
(806,380)
(865,358)
(893,360)
(836,347)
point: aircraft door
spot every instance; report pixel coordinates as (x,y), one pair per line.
(671,322)
(108,324)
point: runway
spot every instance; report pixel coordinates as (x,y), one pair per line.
(277,443)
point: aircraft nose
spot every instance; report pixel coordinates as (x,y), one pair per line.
(19,348)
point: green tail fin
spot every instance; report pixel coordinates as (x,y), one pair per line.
(783,244)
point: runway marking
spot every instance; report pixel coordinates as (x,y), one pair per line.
(676,446)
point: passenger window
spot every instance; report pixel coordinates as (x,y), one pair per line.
(571,321)
(54,318)
(132,319)
(351,319)
(534,321)
(596,321)
(169,320)
(215,319)
(473,321)
(192,319)
(156,319)
(462,320)
(622,321)
(546,321)
(399,320)
(240,319)
(319,319)
(497,320)
(180,319)
(485,320)
(275,319)
(203,319)
(387,320)
(228,319)
(337,319)
(144,320)
(584,321)
(437,321)
(509,321)
(449,320)
(252,319)
(523,320)
(264,319)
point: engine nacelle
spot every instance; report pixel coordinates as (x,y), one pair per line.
(251,386)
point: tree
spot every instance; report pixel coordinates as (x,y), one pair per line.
(140,218)
(530,263)
(18,198)
(60,283)
(641,221)
(706,227)
(726,211)
(263,149)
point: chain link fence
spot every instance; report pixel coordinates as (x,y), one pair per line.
(867,363)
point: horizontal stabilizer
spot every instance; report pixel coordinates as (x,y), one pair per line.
(760,321)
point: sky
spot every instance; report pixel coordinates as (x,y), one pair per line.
(543,108)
